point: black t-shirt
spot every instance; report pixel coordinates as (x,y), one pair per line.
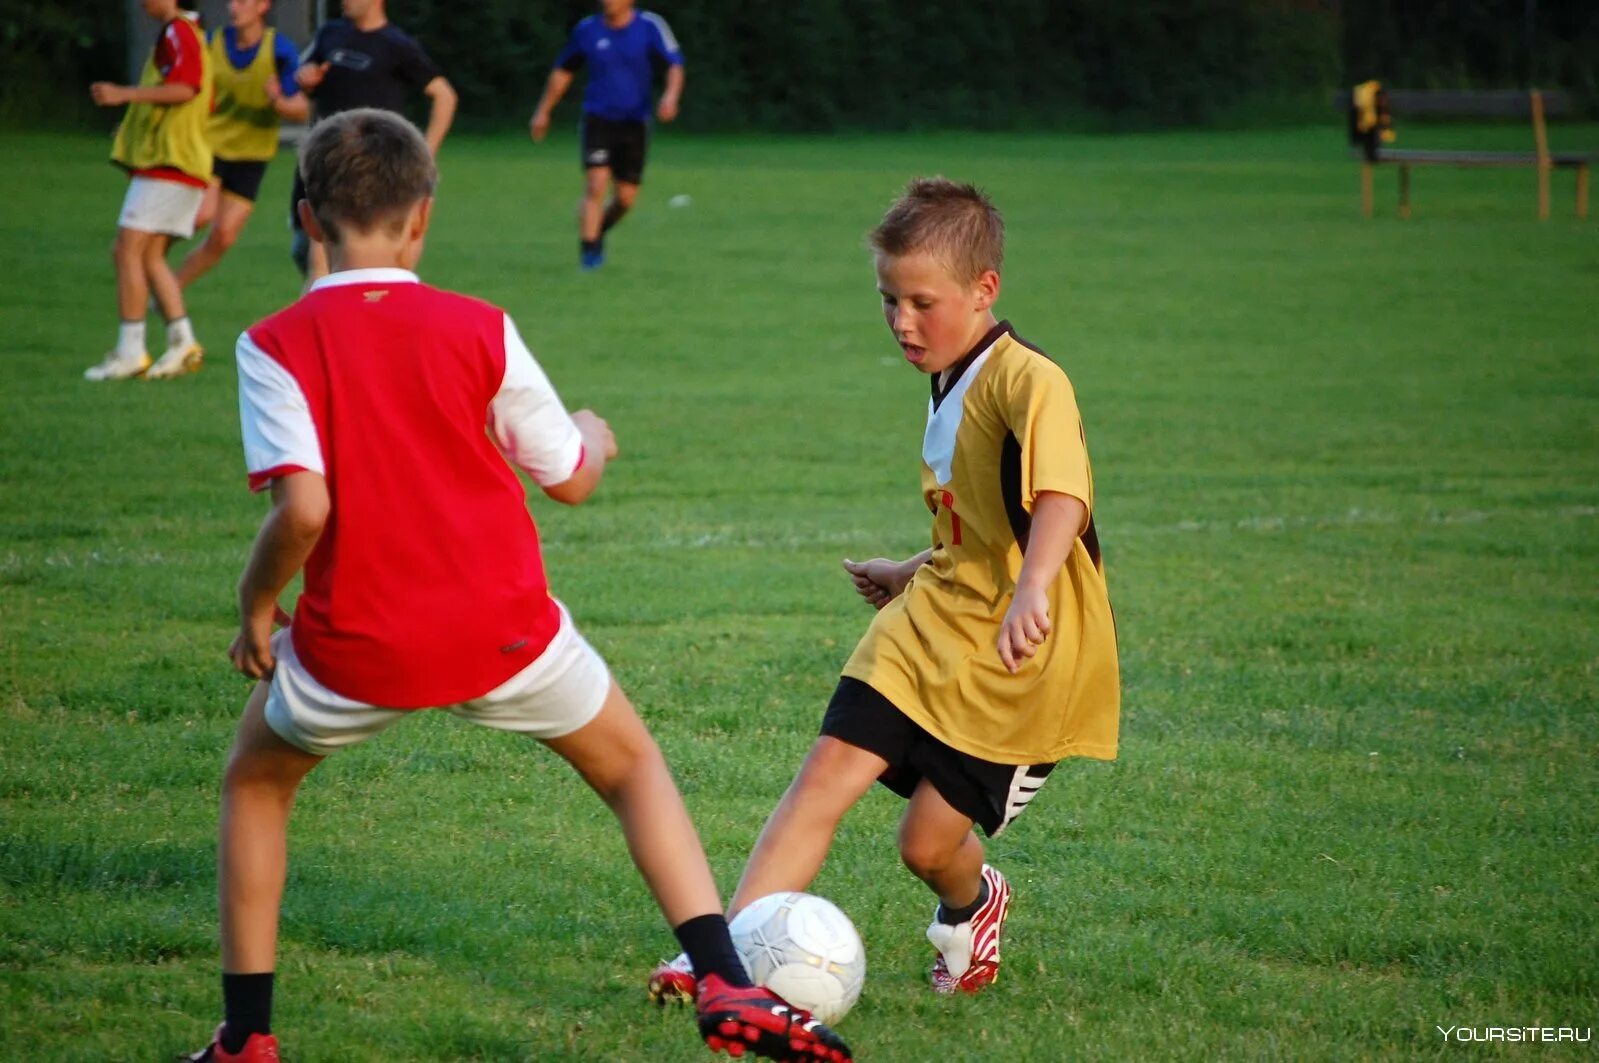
(379,68)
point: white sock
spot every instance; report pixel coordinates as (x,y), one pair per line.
(180,333)
(130,339)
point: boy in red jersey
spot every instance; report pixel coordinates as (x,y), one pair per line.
(364,408)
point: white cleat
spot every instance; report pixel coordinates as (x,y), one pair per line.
(118,367)
(176,361)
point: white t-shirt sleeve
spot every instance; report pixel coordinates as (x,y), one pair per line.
(528,422)
(279,435)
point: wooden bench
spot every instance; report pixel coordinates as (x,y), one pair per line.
(1369,137)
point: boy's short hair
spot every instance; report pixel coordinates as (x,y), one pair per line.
(954,222)
(365,168)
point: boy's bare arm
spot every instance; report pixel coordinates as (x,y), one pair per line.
(559,81)
(287,537)
(1058,519)
(881,580)
(599,447)
(296,108)
(110,94)
(442,114)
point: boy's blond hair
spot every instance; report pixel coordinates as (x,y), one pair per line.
(365,168)
(954,222)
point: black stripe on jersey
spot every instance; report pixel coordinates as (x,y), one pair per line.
(1010,489)
(954,372)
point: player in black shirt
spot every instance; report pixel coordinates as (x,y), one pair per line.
(364,60)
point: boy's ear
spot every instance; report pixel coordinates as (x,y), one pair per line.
(421,218)
(987,289)
(308,222)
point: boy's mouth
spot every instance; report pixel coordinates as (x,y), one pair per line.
(913,353)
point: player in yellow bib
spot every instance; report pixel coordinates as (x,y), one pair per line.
(161,144)
(253,69)
(993,652)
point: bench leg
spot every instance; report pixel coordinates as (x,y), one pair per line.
(1404,190)
(1582,191)
(1365,189)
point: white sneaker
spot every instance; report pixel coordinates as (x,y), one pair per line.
(968,954)
(176,361)
(117,367)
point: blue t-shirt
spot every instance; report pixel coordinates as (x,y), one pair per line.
(285,57)
(622,63)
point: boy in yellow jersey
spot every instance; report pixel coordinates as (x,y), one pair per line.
(253,69)
(162,145)
(993,653)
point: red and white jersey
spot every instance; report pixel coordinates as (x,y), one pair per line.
(427,586)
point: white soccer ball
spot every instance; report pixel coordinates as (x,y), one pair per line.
(805,950)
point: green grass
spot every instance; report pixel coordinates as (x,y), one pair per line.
(1349,497)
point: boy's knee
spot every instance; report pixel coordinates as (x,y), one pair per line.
(127,247)
(924,855)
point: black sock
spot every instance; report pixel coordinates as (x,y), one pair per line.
(957,916)
(246,1007)
(613,214)
(710,949)
(590,246)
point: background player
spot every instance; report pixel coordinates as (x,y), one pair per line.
(162,144)
(993,654)
(252,67)
(623,49)
(390,615)
(364,60)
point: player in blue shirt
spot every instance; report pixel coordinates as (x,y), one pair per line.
(623,49)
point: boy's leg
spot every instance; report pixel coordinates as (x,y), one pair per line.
(616,756)
(623,195)
(591,217)
(163,282)
(798,833)
(938,845)
(183,353)
(230,216)
(789,853)
(129,357)
(258,788)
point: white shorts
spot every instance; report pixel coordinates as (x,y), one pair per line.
(554,696)
(156,206)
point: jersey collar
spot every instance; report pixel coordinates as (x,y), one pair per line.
(956,371)
(378,275)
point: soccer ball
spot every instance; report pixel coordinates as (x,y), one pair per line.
(805,950)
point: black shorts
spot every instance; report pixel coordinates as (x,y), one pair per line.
(618,145)
(991,794)
(242,179)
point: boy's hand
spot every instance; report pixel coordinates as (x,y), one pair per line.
(1026,626)
(879,580)
(596,433)
(539,127)
(274,90)
(666,111)
(310,75)
(109,93)
(251,651)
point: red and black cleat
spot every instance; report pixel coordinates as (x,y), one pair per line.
(753,1019)
(260,1048)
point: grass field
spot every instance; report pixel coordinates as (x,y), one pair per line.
(1349,499)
